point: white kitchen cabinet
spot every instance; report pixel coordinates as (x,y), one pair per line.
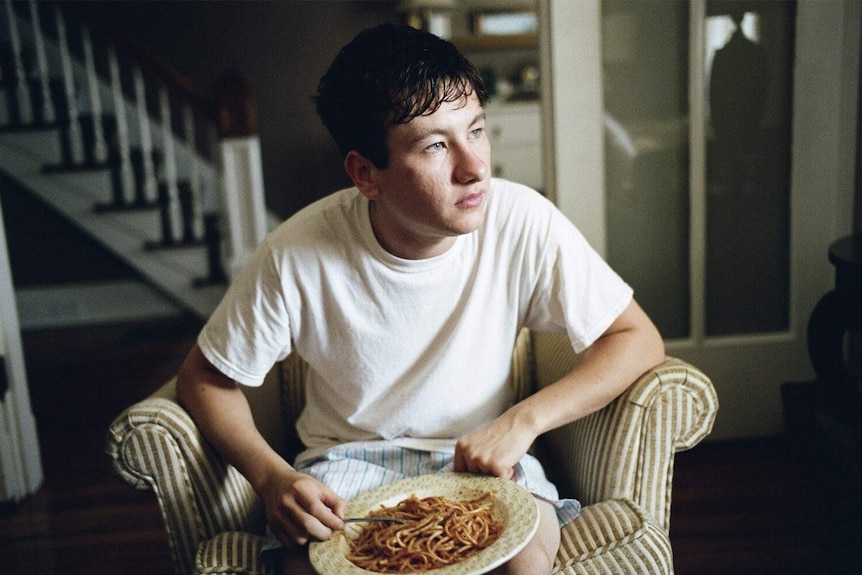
(513,129)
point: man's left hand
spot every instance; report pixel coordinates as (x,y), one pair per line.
(494,449)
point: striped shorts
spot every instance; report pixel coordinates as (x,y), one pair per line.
(354,468)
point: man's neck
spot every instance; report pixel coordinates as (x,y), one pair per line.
(402,243)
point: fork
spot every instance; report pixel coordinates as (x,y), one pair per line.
(369,519)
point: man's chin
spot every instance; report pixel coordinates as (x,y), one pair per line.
(471,222)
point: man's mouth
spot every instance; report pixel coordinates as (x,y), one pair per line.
(471,201)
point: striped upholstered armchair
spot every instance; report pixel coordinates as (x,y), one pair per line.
(618,462)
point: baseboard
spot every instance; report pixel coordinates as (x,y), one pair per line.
(75,305)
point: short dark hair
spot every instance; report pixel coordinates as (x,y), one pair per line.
(388,75)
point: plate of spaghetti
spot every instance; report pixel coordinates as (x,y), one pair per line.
(454,524)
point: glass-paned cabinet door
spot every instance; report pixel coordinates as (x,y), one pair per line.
(707,175)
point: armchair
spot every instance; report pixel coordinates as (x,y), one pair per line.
(618,462)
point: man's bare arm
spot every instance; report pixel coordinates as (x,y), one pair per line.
(298,506)
(627,349)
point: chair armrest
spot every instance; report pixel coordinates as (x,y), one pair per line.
(626,450)
(154,444)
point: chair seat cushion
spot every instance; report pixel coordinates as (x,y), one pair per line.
(613,536)
(232,553)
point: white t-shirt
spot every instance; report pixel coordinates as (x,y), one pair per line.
(409,348)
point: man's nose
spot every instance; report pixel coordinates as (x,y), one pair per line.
(470,165)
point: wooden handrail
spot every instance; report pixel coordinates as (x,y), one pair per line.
(148,59)
(231,106)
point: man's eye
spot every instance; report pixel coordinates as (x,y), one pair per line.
(476,132)
(435,147)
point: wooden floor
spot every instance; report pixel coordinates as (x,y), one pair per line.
(741,507)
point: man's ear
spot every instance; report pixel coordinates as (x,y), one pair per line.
(361,170)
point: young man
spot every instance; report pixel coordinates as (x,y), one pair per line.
(407,290)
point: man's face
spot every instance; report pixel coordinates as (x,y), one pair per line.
(437,182)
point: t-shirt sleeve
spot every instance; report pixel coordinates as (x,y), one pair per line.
(577,292)
(250,329)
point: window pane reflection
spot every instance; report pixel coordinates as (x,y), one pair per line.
(749,88)
(645,59)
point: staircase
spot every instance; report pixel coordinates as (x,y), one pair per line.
(114,145)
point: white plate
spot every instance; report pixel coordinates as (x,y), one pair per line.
(513,506)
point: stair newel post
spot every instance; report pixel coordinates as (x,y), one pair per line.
(75,136)
(127,177)
(242,197)
(171,210)
(100,149)
(149,183)
(25,106)
(48,114)
(195,217)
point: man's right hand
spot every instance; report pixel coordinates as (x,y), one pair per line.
(299,508)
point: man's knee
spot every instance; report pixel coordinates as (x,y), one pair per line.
(539,554)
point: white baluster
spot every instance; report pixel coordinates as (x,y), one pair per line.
(25,106)
(48,114)
(174,214)
(127,176)
(100,149)
(150,186)
(76,139)
(196,202)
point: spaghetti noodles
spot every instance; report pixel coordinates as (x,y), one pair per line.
(439,532)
